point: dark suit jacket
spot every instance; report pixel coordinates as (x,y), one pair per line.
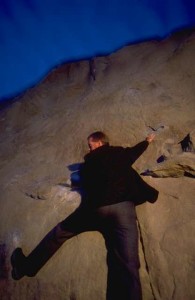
(107,176)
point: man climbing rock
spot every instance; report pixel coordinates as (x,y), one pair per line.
(111,189)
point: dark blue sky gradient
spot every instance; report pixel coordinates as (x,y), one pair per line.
(37,35)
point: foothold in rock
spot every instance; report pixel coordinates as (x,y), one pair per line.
(156,129)
(35,196)
(186,144)
(161,159)
(188,174)
(146,173)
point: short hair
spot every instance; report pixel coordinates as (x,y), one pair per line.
(99,136)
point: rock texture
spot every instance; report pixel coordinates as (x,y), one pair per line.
(139,89)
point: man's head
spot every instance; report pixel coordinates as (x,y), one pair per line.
(97,139)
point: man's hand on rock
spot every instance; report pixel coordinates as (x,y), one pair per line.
(150,137)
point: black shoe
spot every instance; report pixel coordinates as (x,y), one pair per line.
(18,261)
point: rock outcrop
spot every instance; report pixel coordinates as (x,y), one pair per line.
(139,89)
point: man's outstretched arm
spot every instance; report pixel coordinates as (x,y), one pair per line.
(135,152)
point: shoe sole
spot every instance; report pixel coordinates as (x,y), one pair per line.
(16,275)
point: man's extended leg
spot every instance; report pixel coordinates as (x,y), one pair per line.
(79,221)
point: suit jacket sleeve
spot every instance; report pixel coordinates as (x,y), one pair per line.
(133,153)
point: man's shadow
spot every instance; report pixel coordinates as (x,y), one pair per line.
(75,176)
(76,182)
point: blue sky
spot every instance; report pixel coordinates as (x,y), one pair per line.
(37,35)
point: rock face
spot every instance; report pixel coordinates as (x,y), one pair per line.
(139,89)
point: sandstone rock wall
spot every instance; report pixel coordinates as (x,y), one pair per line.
(139,89)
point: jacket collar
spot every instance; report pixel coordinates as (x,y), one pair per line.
(96,152)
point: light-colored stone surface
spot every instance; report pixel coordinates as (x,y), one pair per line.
(44,132)
(168,233)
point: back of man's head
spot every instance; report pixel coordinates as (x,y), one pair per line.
(99,136)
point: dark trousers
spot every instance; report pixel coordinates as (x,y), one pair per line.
(117,223)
